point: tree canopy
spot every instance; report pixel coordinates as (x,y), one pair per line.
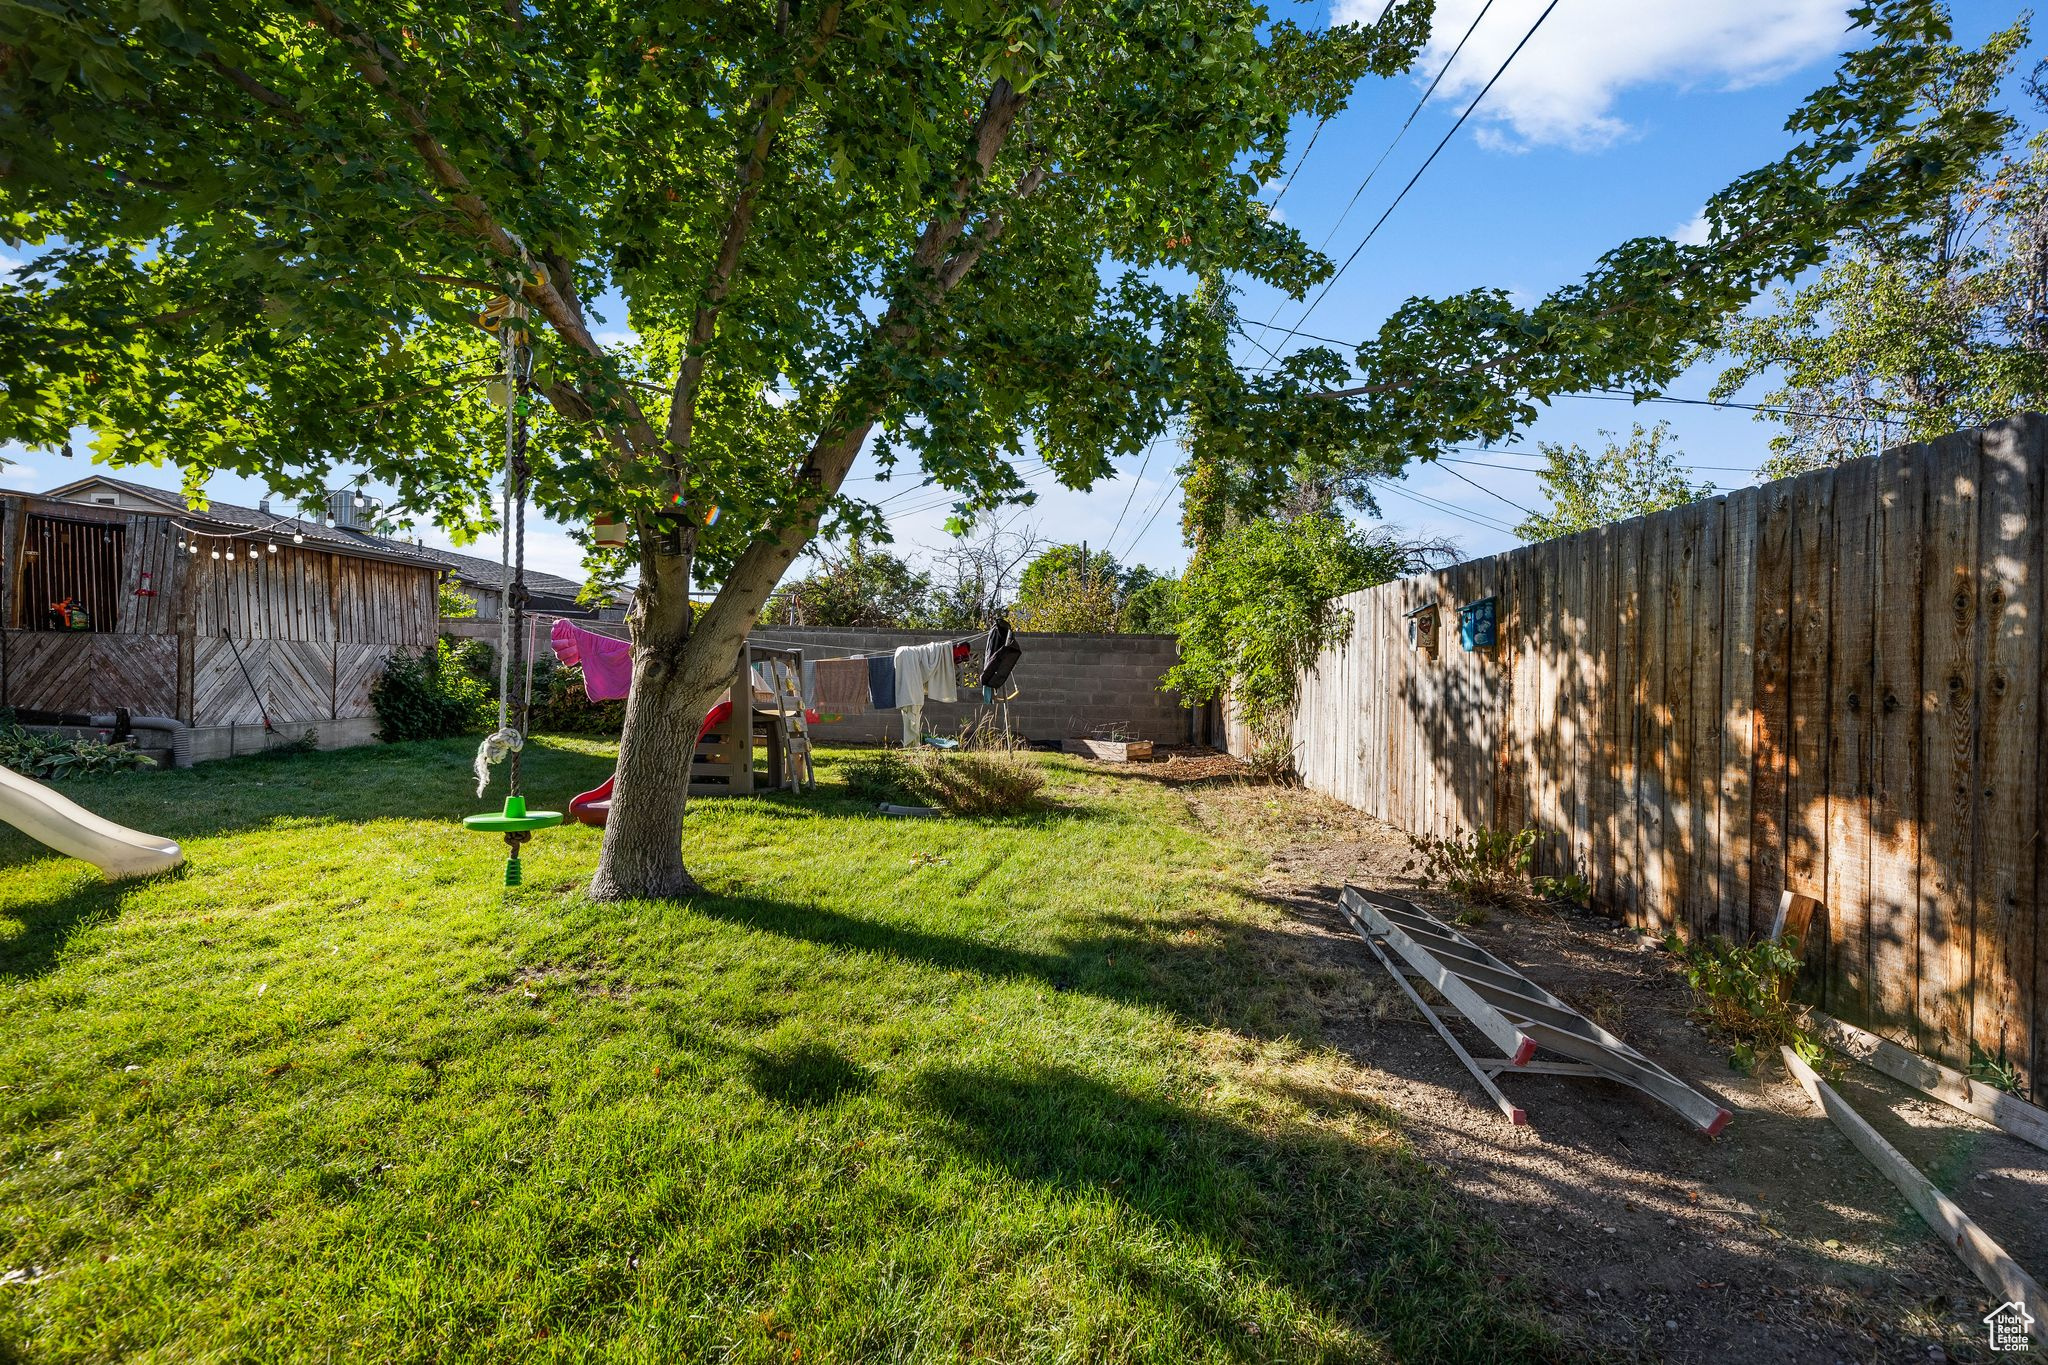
(1631,478)
(1870,156)
(1912,332)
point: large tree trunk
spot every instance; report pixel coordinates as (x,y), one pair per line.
(677,674)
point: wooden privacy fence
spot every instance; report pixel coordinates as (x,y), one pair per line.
(1831,683)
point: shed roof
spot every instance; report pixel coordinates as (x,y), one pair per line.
(474,569)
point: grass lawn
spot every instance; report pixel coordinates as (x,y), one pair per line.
(1020,1088)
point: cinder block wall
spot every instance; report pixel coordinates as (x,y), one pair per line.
(1067,685)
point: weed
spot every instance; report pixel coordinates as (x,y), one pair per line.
(1485,866)
(1995,1072)
(994,781)
(1745,992)
(1571,889)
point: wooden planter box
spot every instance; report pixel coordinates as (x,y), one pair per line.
(1110,750)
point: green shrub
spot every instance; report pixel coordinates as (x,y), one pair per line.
(431,695)
(39,754)
(1745,992)
(992,781)
(562,707)
(1483,865)
(49,756)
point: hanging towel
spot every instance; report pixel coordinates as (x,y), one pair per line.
(607,664)
(882,682)
(808,678)
(1002,655)
(842,684)
(925,671)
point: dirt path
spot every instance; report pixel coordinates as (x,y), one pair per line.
(1775,1242)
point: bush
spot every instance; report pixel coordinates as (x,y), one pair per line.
(1487,866)
(993,781)
(431,695)
(562,707)
(1746,993)
(35,753)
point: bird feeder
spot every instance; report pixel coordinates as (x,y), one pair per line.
(608,531)
(1478,626)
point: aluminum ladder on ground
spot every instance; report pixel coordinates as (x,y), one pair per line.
(1516,1015)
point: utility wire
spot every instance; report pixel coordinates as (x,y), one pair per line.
(1143,465)
(1165,496)
(1406,124)
(1352,203)
(1490,493)
(1427,163)
(1476,518)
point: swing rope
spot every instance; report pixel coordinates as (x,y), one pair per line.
(509,739)
(506,316)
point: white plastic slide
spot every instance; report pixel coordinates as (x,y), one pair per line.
(73,830)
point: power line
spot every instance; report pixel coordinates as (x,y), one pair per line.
(1477,519)
(1143,465)
(1490,493)
(1352,203)
(1321,123)
(1165,496)
(1405,124)
(1430,161)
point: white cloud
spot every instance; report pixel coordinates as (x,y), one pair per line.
(1563,88)
(1693,233)
(9,267)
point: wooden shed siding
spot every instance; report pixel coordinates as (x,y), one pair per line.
(312,629)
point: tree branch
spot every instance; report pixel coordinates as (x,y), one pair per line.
(373,61)
(739,224)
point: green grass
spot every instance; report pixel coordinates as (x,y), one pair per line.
(1018,1088)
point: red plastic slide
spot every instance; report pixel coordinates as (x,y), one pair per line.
(593,806)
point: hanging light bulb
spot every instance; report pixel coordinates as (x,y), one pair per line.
(193,547)
(231,556)
(298,538)
(273,547)
(360,503)
(216,554)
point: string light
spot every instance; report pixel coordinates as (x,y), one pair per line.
(273,547)
(216,554)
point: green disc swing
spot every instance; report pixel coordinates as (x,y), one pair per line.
(507,317)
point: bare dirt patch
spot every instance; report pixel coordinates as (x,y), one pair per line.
(1776,1242)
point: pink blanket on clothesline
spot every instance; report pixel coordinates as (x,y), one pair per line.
(607,663)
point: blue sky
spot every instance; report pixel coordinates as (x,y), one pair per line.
(1618,120)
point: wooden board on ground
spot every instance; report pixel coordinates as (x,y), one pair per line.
(1973,1097)
(1109,750)
(1986,1259)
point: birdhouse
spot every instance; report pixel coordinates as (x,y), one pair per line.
(608,531)
(1423,628)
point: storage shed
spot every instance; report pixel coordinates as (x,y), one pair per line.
(251,638)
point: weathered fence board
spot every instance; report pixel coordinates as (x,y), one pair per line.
(1833,684)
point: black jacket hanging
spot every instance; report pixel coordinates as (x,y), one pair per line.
(1001,654)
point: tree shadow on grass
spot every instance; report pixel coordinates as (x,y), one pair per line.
(1234,976)
(807,1076)
(1356,1229)
(47,925)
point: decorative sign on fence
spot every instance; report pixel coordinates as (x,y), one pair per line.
(1476,625)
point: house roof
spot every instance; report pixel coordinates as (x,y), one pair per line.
(475,569)
(240,518)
